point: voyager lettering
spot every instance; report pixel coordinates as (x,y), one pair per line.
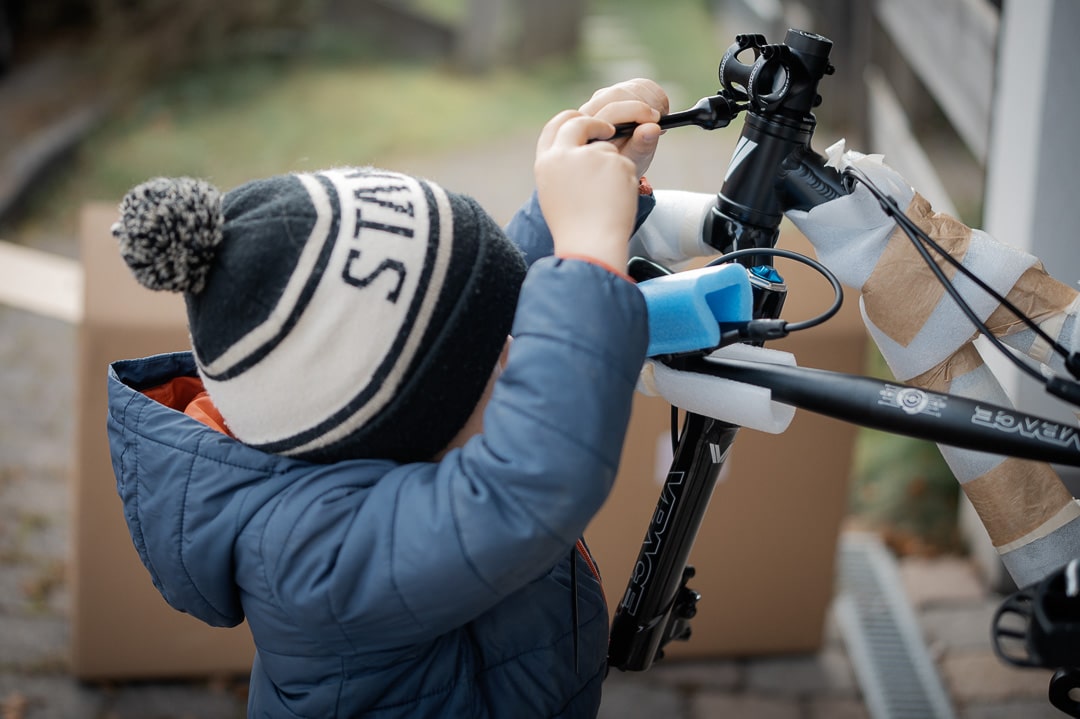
(654,539)
(1040,429)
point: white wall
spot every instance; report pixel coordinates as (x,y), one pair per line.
(1032,198)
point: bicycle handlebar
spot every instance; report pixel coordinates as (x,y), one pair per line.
(906,410)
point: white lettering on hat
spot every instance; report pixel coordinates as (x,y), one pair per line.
(375,300)
(384,205)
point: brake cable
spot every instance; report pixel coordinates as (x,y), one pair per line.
(1061,387)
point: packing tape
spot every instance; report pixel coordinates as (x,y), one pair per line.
(1018,501)
(901,272)
(927,341)
(1048,302)
(1016,498)
(939,378)
(1037,295)
(1069,513)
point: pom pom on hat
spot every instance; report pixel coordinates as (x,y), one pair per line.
(168,231)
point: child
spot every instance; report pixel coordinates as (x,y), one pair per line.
(357,459)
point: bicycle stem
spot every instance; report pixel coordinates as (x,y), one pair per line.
(773,168)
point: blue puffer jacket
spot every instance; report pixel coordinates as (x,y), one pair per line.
(420,590)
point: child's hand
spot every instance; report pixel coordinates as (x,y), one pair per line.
(587,191)
(639,100)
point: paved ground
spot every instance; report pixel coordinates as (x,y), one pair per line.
(37,360)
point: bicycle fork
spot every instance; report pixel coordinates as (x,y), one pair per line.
(658,604)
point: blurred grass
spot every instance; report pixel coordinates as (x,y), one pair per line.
(231,122)
(249,122)
(902,488)
(681,38)
(448,11)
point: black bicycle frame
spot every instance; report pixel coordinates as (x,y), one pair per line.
(773,169)
(658,605)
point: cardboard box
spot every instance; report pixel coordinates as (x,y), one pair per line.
(121,628)
(765,552)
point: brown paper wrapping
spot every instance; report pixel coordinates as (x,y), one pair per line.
(902,292)
(1016,497)
(1037,295)
(939,378)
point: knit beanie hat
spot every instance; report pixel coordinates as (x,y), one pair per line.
(343,314)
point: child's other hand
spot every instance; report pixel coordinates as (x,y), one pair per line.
(587,191)
(639,100)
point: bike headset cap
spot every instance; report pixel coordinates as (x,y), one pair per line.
(347,313)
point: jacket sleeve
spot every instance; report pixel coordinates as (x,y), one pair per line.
(529,231)
(435,545)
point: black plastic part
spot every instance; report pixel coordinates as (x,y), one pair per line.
(643,620)
(1065,389)
(1039,626)
(757,331)
(642,269)
(1072,363)
(709,113)
(1062,685)
(805,181)
(1010,629)
(773,168)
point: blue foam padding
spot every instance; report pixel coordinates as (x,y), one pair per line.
(686,309)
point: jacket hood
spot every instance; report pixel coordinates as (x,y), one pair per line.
(187,489)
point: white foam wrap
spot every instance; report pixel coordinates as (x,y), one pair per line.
(672,233)
(739,403)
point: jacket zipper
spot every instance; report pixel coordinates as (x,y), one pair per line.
(581,549)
